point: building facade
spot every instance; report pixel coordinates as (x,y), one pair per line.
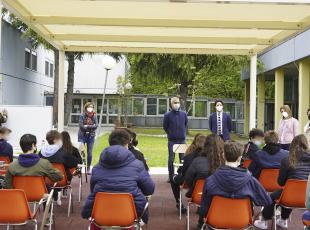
(287,65)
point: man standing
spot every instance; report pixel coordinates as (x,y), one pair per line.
(220,122)
(175,123)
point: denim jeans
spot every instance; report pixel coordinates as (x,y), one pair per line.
(172,156)
(89,141)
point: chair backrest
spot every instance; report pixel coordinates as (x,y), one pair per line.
(197,192)
(269,179)
(33,186)
(228,213)
(14,206)
(246,163)
(179,148)
(64,182)
(294,194)
(6,159)
(114,209)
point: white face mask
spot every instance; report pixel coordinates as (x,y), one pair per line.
(258,143)
(219,108)
(90,109)
(285,114)
(176,106)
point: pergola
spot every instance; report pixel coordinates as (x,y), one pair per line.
(236,27)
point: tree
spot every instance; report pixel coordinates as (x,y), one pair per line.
(188,73)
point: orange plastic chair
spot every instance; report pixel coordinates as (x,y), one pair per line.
(228,213)
(306,223)
(15,209)
(293,196)
(115,210)
(196,197)
(269,179)
(63,184)
(246,163)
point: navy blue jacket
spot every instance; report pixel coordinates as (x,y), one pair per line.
(269,157)
(6,149)
(233,183)
(175,123)
(119,171)
(226,125)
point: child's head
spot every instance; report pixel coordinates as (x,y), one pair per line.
(256,136)
(28,143)
(271,137)
(233,151)
(119,137)
(53,137)
(4,133)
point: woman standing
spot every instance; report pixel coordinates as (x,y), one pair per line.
(288,127)
(87,132)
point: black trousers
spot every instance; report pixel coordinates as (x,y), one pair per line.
(268,211)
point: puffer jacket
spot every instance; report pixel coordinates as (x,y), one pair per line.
(31,165)
(301,171)
(119,171)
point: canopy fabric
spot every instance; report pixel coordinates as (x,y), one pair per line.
(178,26)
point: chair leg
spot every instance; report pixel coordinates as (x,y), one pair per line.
(8,227)
(275,217)
(34,207)
(180,204)
(35,225)
(80,189)
(187,217)
(70,202)
(52,222)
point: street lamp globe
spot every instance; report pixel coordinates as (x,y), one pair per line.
(108,62)
(128,86)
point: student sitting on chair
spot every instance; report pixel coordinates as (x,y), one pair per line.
(269,157)
(295,166)
(256,139)
(211,157)
(119,171)
(6,148)
(232,182)
(30,164)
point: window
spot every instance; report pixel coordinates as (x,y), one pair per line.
(113,106)
(151,106)
(51,70)
(200,109)
(99,103)
(49,100)
(47,66)
(230,108)
(162,106)
(127,106)
(189,108)
(34,61)
(27,59)
(138,106)
(76,105)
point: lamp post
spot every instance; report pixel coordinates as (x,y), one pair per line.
(127,88)
(108,63)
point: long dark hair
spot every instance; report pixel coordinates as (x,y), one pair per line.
(66,142)
(193,146)
(214,151)
(298,147)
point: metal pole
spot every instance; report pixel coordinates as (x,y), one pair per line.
(253,78)
(102,103)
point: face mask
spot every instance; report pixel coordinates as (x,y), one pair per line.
(219,108)
(176,107)
(90,109)
(285,114)
(258,143)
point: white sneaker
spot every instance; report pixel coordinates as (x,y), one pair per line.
(262,224)
(282,223)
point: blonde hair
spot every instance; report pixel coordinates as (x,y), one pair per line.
(287,109)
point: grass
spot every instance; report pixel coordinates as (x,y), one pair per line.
(154,148)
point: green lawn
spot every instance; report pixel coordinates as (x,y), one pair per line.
(154,148)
